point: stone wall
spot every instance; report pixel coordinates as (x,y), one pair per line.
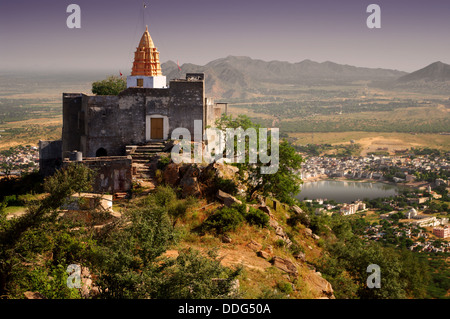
(113,174)
(73,122)
(187,104)
(109,123)
(113,122)
(50,156)
(213,111)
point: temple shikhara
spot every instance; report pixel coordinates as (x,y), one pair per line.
(146,71)
(113,133)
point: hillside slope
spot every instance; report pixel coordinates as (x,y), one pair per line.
(272,256)
(433,78)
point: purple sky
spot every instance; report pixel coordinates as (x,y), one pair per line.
(34,35)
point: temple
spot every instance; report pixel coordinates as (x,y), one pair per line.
(100,131)
(146,71)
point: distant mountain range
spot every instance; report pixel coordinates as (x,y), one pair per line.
(235,76)
(239,77)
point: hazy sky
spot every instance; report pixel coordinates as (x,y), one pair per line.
(34,35)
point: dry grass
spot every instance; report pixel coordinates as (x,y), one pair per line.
(370,141)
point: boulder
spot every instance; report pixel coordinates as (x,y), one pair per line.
(260,200)
(285,265)
(226,239)
(273,223)
(300,256)
(221,170)
(254,245)
(263,254)
(306,220)
(279,231)
(225,171)
(189,183)
(265,209)
(88,290)
(297,209)
(286,240)
(227,199)
(190,187)
(319,285)
(33,295)
(171,174)
(308,232)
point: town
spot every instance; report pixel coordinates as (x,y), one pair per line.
(415,218)
(19,160)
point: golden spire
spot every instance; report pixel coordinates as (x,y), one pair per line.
(146,40)
(146,57)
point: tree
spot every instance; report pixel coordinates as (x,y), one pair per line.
(72,179)
(284,184)
(113,85)
(193,276)
(130,262)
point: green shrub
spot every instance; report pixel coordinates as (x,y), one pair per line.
(163,162)
(279,243)
(284,287)
(257,217)
(163,196)
(296,249)
(296,219)
(226,185)
(113,85)
(224,220)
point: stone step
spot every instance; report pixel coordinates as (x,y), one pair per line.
(148,150)
(145,153)
(143,156)
(151,146)
(141,160)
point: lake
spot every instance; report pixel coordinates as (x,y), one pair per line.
(346,191)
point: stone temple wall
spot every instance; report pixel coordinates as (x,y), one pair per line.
(50,156)
(113,174)
(109,123)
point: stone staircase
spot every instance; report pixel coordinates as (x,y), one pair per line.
(145,159)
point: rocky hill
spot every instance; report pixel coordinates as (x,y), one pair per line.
(236,76)
(436,71)
(434,78)
(276,256)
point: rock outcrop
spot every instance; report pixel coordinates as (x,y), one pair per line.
(171,174)
(285,265)
(227,199)
(319,286)
(33,295)
(189,183)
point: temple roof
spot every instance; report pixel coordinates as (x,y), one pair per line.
(146,58)
(146,40)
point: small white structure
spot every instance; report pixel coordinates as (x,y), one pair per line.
(150,82)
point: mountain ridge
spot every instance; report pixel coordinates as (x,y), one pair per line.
(239,76)
(437,71)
